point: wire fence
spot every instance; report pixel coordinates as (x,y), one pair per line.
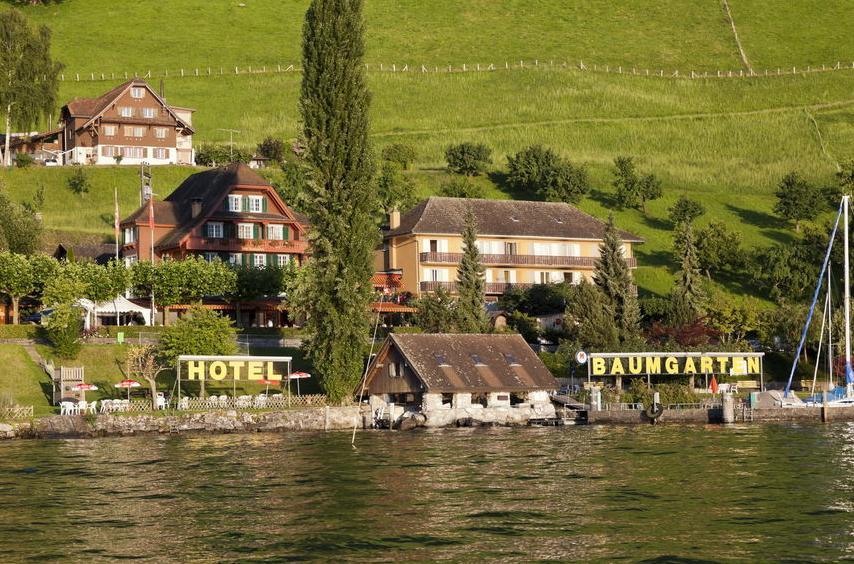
(410,68)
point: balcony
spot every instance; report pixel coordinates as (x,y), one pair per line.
(518,260)
(490,287)
(246,245)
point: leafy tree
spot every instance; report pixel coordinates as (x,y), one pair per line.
(16,279)
(797,200)
(685,210)
(63,328)
(143,362)
(634,191)
(719,248)
(786,272)
(104,283)
(732,320)
(395,189)
(334,293)
(613,276)
(253,282)
(220,154)
(461,187)
(687,296)
(200,331)
(845,178)
(468,158)
(436,312)
(471,283)
(20,226)
(539,299)
(66,286)
(541,170)
(591,320)
(30,77)
(78,181)
(525,325)
(272,148)
(401,153)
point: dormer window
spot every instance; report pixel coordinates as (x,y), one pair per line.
(477,360)
(511,359)
(137,92)
(441,360)
(234,203)
(256,204)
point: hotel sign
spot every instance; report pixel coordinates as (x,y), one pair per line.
(654,364)
(234,368)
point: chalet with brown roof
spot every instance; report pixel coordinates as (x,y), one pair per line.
(230,213)
(130,124)
(522,243)
(455,375)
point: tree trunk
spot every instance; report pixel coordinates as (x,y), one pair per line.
(15,310)
(152,383)
(7,161)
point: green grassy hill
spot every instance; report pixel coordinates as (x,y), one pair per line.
(726,141)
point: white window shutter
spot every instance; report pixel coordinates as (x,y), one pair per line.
(574,249)
(512,277)
(489,275)
(443,274)
(425,245)
(443,245)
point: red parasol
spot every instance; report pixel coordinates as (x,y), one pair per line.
(714,385)
(297,376)
(268,384)
(128,384)
(84,387)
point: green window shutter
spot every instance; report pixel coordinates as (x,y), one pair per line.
(256,231)
(286,232)
(264,204)
(244,257)
(244,203)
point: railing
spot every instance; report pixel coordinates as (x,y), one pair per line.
(490,287)
(216,403)
(246,245)
(520,260)
(16,412)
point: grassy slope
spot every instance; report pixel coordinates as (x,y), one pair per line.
(23,380)
(725,141)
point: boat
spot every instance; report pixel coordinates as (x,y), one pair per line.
(837,396)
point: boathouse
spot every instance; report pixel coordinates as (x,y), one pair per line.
(458,375)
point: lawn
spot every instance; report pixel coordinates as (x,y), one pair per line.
(23,381)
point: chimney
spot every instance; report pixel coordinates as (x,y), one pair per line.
(394,219)
(196,207)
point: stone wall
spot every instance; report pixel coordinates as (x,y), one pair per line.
(634,416)
(517,415)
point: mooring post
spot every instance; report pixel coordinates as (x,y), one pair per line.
(728,408)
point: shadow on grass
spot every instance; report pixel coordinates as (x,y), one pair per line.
(607,199)
(499,179)
(657,223)
(780,236)
(754,217)
(659,259)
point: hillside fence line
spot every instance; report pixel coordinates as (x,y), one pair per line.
(536,64)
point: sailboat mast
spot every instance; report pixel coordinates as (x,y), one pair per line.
(847,294)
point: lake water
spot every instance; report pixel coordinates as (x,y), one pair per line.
(755,492)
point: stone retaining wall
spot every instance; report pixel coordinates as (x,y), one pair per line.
(715,415)
(507,416)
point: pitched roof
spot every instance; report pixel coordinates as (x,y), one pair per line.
(503,218)
(473,362)
(100,253)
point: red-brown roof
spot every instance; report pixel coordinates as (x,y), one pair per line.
(391,307)
(390,280)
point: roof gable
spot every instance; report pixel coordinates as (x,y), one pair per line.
(503,218)
(470,362)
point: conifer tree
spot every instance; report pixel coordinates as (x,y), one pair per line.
(335,291)
(613,277)
(687,296)
(471,284)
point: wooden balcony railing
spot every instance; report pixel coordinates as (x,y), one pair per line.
(246,245)
(491,287)
(519,260)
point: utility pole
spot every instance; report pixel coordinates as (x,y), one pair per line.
(144,183)
(231,133)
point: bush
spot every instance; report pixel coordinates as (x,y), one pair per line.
(218,155)
(525,325)
(685,210)
(541,170)
(461,188)
(272,148)
(78,182)
(400,153)
(24,160)
(18,331)
(62,330)
(468,158)
(202,331)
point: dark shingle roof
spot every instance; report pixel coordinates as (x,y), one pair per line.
(503,218)
(447,363)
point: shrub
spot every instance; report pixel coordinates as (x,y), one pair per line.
(202,331)
(23,160)
(272,148)
(62,330)
(541,170)
(685,210)
(461,188)
(400,153)
(118,159)
(218,155)
(468,158)
(78,182)
(525,325)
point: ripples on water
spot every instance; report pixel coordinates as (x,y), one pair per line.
(635,493)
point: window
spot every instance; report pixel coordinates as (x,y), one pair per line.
(161,153)
(284,260)
(256,204)
(125,111)
(137,92)
(134,131)
(275,232)
(233,203)
(392,370)
(209,257)
(109,151)
(441,360)
(133,152)
(259,260)
(509,248)
(160,132)
(434,246)
(110,130)
(476,359)
(148,113)
(130,235)
(436,275)
(511,359)
(235,259)
(246,230)
(214,230)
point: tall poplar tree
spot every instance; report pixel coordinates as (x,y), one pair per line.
(613,276)
(471,284)
(687,296)
(30,78)
(335,291)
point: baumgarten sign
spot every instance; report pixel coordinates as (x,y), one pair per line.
(636,364)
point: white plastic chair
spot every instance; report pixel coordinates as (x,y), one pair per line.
(65,407)
(184,403)
(161,402)
(92,407)
(106,406)
(223,401)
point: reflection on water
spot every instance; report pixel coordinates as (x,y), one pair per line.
(753,492)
